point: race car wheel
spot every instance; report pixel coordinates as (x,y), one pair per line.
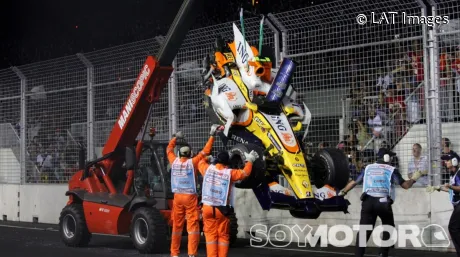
(237,161)
(72,226)
(233,229)
(149,231)
(330,167)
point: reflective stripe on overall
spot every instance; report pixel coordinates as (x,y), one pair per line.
(377,180)
(183,177)
(216,185)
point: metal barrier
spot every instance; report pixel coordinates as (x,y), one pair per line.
(383,84)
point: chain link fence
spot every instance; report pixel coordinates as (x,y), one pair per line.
(447,75)
(374,78)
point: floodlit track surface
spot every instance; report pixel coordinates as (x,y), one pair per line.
(25,239)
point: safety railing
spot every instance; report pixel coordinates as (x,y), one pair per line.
(79,97)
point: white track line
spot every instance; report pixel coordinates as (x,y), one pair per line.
(309,251)
(54,230)
(266,247)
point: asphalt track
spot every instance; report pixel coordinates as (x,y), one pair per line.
(41,240)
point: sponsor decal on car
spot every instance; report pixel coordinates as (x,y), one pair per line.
(259,122)
(305,184)
(231,96)
(298,165)
(239,139)
(229,56)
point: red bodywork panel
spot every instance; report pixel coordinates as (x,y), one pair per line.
(106,219)
(103,218)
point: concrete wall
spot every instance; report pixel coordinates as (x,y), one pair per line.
(413,206)
(418,134)
(9,198)
(24,202)
(42,201)
(10,169)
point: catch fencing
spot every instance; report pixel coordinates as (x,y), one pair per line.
(387,84)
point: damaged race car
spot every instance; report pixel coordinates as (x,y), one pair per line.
(257,107)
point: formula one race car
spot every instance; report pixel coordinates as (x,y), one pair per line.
(259,113)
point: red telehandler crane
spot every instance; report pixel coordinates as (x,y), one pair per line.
(94,205)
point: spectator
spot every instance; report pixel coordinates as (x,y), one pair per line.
(418,163)
(355,163)
(363,136)
(456,74)
(357,95)
(375,122)
(45,164)
(381,108)
(342,145)
(34,147)
(383,81)
(447,154)
(395,101)
(352,140)
(416,56)
(446,76)
(323,145)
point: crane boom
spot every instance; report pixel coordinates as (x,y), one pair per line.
(154,74)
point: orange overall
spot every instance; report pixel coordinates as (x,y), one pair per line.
(186,204)
(216,225)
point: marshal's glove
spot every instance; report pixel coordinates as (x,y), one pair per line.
(209,158)
(342,193)
(416,175)
(431,189)
(179,135)
(214,129)
(252,156)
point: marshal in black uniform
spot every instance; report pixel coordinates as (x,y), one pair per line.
(453,188)
(378,196)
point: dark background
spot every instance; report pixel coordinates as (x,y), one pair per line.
(37,30)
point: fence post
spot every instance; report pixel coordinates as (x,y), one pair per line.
(433,97)
(172,102)
(276,36)
(283,30)
(426,86)
(90,106)
(23,124)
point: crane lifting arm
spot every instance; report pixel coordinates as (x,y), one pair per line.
(153,76)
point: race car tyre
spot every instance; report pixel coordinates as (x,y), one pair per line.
(300,214)
(237,161)
(72,226)
(149,231)
(330,167)
(233,229)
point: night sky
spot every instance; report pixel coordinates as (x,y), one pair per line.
(37,30)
